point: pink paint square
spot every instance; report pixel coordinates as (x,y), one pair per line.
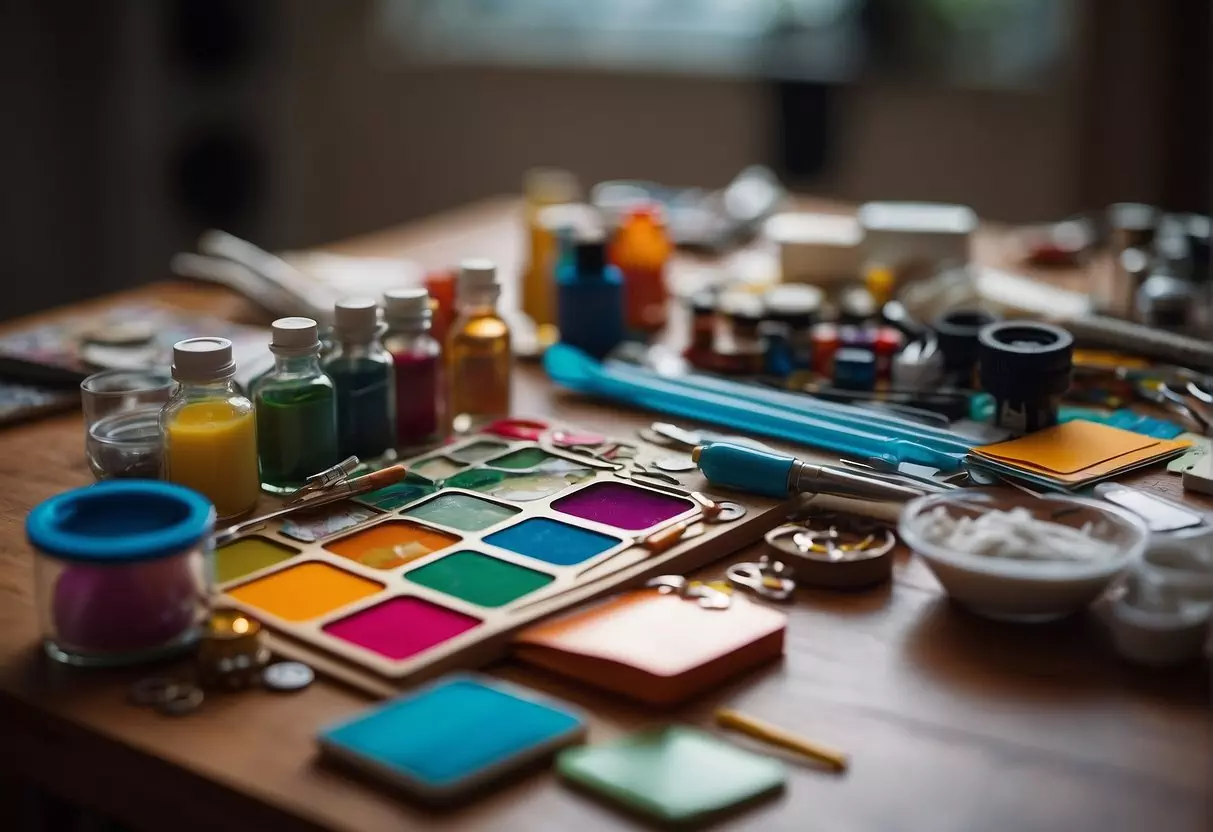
(401,627)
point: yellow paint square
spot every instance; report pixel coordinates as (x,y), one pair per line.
(306,591)
(247,555)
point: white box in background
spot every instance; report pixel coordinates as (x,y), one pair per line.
(901,234)
(816,248)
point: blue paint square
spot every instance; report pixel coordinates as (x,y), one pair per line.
(452,736)
(552,541)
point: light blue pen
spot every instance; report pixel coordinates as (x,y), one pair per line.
(776,475)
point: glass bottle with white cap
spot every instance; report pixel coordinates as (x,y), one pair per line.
(417,361)
(361,370)
(296,406)
(209,429)
(478,347)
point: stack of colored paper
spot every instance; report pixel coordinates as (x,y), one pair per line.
(1074,455)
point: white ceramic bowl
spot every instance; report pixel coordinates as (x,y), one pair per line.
(1023,590)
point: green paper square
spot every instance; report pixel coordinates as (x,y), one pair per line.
(479,579)
(675,774)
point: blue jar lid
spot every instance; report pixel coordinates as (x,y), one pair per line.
(120,521)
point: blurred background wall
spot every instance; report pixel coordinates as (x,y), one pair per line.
(130,126)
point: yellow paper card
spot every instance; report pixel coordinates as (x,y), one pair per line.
(1073,447)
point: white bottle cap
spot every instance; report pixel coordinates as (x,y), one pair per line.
(356,317)
(203,359)
(477,275)
(294,336)
(406,304)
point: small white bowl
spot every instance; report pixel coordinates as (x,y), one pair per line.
(1026,590)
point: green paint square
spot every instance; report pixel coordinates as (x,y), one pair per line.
(461,511)
(521,459)
(479,579)
(247,555)
(675,774)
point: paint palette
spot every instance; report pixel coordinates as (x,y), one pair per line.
(484,536)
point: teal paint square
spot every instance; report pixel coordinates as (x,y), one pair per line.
(551,541)
(676,774)
(453,735)
(462,511)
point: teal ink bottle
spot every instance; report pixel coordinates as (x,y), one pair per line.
(296,409)
(589,300)
(362,372)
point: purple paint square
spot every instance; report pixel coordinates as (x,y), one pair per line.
(622,506)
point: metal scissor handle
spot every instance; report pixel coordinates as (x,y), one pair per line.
(767,578)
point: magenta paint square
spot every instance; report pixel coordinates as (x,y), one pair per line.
(401,627)
(622,506)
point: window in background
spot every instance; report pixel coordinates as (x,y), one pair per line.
(981,43)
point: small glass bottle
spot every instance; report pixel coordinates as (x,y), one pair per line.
(590,300)
(417,361)
(641,249)
(543,187)
(361,370)
(296,406)
(209,428)
(479,359)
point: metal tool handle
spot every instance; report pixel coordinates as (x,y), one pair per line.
(825,479)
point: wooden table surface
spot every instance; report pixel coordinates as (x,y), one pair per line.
(952,722)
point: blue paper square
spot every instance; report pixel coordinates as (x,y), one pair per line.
(452,735)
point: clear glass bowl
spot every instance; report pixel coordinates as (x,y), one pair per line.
(1026,590)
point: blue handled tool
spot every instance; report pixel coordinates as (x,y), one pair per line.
(778,475)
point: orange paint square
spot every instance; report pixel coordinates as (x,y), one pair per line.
(391,544)
(306,591)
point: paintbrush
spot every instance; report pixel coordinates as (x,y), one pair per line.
(340,490)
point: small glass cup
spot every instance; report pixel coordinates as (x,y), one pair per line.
(122,422)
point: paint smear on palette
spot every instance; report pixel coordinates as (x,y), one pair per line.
(401,627)
(476,451)
(520,487)
(622,506)
(394,496)
(521,458)
(391,544)
(310,526)
(437,468)
(461,511)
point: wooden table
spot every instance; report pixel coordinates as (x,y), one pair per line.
(953,722)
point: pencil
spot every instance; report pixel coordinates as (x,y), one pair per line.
(728,718)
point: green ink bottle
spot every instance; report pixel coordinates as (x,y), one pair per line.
(296,407)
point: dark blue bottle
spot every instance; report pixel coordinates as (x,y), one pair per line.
(361,370)
(589,300)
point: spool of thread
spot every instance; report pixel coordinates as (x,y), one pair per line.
(825,343)
(957,334)
(703,322)
(1166,302)
(886,342)
(797,306)
(855,369)
(778,358)
(1025,366)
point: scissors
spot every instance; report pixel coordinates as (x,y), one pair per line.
(767,578)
